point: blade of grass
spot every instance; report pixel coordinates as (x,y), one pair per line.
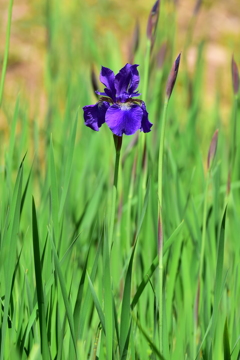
(125,323)
(5,60)
(154,266)
(79,299)
(68,167)
(40,296)
(151,344)
(108,297)
(33,308)
(226,345)
(54,193)
(10,245)
(64,294)
(219,270)
(97,304)
(87,299)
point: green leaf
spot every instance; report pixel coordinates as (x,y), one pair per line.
(154,266)
(151,344)
(226,345)
(64,294)
(125,323)
(68,166)
(10,247)
(97,304)
(40,296)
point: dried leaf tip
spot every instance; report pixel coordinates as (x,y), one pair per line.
(152,21)
(235,77)
(212,149)
(172,77)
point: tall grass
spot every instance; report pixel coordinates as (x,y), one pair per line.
(79,253)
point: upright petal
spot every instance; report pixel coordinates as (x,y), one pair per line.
(107,78)
(127,80)
(135,80)
(94,115)
(146,124)
(124,118)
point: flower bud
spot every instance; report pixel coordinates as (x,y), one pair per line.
(172,77)
(152,22)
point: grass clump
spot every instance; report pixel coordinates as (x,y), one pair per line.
(124,249)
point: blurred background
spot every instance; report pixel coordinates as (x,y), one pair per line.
(96,31)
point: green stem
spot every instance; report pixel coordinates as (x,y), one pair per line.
(118,145)
(234,134)
(146,69)
(160,158)
(160,225)
(5,60)
(142,141)
(204,227)
(117,159)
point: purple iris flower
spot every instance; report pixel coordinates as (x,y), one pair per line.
(117,106)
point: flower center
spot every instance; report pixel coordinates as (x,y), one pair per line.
(125,106)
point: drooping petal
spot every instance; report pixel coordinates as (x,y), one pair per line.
(124,118)
(146,124)
(127,80)
(107,78)
(94,115)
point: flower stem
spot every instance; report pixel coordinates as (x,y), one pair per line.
(204,224)
(118,146)
(160,224)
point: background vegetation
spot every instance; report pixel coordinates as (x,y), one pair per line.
(67,289)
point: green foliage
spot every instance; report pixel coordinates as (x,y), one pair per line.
(79,259)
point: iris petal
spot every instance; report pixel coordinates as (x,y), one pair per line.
(107,78)
(146,124)
(134,81)
(94,115)
(127,80)
(117,106)
(124,119)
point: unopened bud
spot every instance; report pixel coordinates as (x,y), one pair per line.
(153,21)
(172,77)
